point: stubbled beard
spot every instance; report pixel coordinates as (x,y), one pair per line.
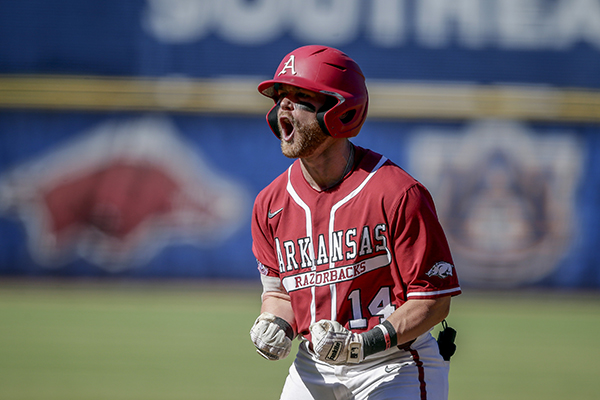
(306,140)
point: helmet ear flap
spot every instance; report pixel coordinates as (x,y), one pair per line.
(330,102)
(272,119)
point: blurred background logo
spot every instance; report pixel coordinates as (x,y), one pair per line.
(504,195)
(118,194)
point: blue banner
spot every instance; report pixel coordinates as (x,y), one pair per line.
(555,42)
(145,195)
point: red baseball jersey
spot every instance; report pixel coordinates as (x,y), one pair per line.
(356,252)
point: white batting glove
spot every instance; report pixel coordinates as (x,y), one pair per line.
(335,344)
(272,336)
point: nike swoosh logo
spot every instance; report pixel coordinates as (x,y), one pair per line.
(392,368)
(272,214)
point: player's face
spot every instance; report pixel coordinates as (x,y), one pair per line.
(301,134)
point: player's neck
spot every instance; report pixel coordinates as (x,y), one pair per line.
(328,168)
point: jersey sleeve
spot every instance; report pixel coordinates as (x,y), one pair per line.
(424,262)
(262,240)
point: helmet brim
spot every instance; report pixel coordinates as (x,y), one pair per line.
(267,88)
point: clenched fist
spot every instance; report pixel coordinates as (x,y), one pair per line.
(272,336)
(335,344)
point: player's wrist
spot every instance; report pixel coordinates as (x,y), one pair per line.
(285,326)
(380,338)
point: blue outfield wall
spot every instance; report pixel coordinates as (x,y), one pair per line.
(519,201)
(106,171)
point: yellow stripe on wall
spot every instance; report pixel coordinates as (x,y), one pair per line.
(238,95)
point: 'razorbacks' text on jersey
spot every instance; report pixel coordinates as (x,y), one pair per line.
(355,252)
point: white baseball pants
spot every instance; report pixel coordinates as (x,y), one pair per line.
(418,373)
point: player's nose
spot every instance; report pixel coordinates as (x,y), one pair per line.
(286,103)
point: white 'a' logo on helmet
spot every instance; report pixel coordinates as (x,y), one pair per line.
(289,64)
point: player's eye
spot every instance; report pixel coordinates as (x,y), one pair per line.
(306,106)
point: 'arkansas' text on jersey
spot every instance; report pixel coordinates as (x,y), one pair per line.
(343,246)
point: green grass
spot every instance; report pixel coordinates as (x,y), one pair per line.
(168,342)
(526,346)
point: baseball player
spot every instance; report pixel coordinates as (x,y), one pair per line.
(352,257)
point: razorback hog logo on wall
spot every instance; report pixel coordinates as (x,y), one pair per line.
(120,194)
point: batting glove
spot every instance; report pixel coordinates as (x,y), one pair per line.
(272,336)
(335,344)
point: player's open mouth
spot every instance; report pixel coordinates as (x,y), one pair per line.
(287,129)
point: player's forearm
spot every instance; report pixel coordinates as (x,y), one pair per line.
(280,305)
(335,344)
(417,316)
(411,320)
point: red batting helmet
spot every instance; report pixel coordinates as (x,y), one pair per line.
(324,70)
